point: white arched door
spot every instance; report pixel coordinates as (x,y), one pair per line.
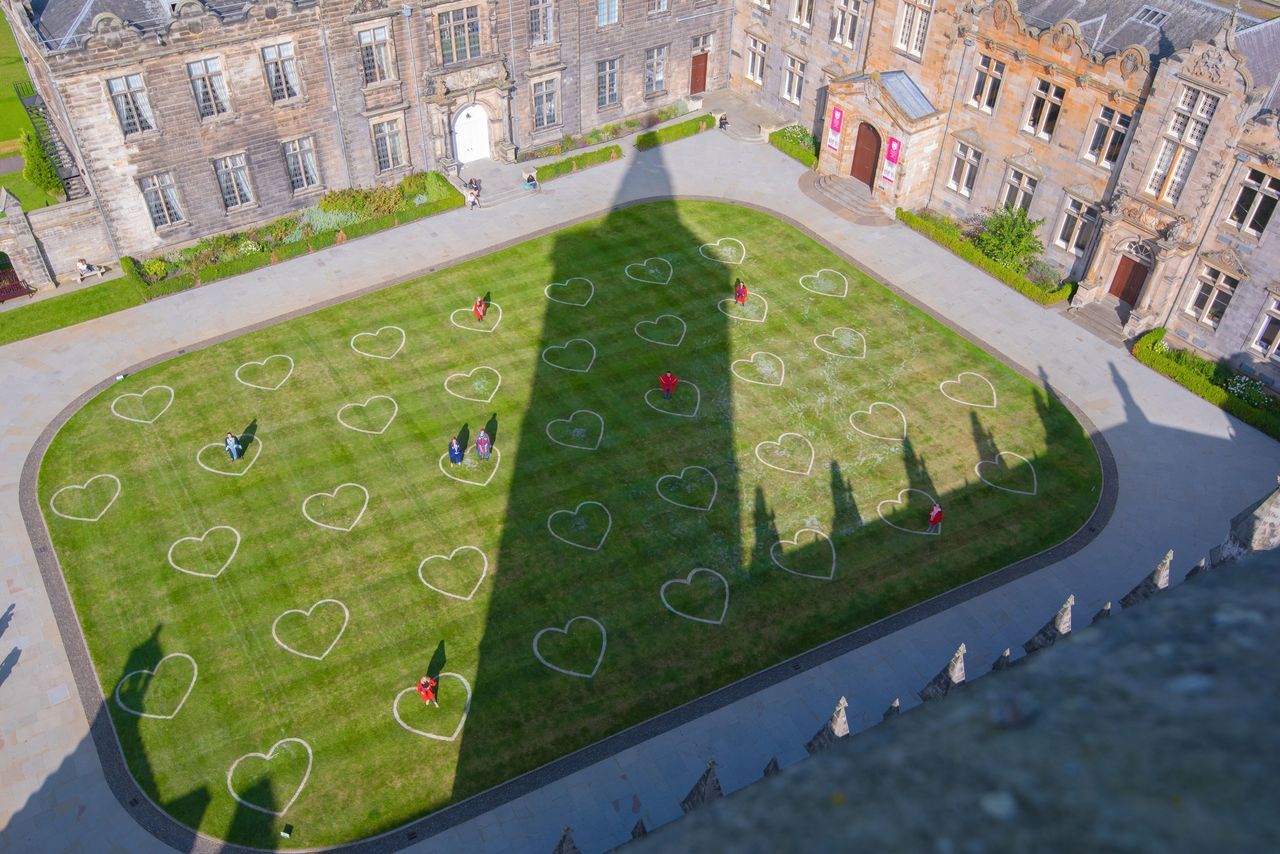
(471,134)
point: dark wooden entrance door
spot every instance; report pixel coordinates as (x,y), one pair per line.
(866,154)
(698,74)
(1127,283)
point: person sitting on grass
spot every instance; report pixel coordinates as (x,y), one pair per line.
(427,690)
(668,382)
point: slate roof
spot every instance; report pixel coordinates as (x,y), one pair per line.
(61,22)
(899,86)
(1261,48)
(1110,26)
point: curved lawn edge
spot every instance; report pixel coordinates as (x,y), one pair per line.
(168,830)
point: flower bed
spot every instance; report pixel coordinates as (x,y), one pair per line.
(604,133)
(796,142)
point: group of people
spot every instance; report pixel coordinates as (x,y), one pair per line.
(484,447)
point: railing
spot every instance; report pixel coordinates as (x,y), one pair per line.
(50,142)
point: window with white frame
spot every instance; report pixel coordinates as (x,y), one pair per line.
(844,21)
(606,12)
(1256,202)
(544,104)
(300,162)
(1018,190)
(606,83)
(802,12)
(1042,112)
(1267,339)
(1212,296)
(702,43)
(764,4)
(1182,137)
(388,148)
(988,75)
(1079,221)
(162,199)
(375,55)
(793,79)
(913,26)
(964,169)
(1109,130)
(657,6)
(133,108)
(233,180)
(542,21)
(208,86)
(282,71)
(655,70)
(460,35)
(756,50)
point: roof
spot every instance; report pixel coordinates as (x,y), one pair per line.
(62,23)
(1260,45)
(1109,26)
(904,92)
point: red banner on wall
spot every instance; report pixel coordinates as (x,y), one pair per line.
(833,132)
(892,151)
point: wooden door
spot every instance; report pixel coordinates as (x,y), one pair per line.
(1127,283)
(866,154)
(698,74)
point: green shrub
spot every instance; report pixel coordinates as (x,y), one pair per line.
(551,171)
(369,226)
(321,239)
(154,269)
(796,142)
(234,266)
(432,185)
(38,168)
(365,204)
(1008,237)
(285,251)
(670,133)
(171,285)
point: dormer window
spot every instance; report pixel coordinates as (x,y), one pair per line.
(1151,16)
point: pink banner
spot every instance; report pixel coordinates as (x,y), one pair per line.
(892,150)
(833,133)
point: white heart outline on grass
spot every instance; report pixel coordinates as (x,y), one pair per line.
(484,572)
(684,329)
(794,541)
(263,362)
(394,412)
(195,673)
(644,265)
(697,404)
(334,494)
(832,334)
(564,284)
(569,420)
(687,581)
(486,328)
(346,618)
(751,361)
(587,369)
(268,757)
(143,394)
(778,444)
(995,399)
(574,512)
(867,412)
(818,275)
(380,330)
(395,710)
(715,488)
(226,563)
(702,250)
(753,295)
(85,485)
(256,443)
(1035,480)
(604,644)
(898,502)
(493,448)
(468,376)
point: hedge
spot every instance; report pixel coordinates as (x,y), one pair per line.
(285,251)
(799,152)
(235,266)
(322,239)
(1151,351)
(171,285)
(551,171)
(670,133)
(966,250)
(369,226)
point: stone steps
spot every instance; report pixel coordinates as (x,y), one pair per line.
(1100,319)
(853,196)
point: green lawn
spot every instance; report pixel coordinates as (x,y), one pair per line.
(68,309)
(12,70)
(218,568)
(28,194)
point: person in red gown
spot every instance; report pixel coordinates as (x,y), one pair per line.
(740,292)
(480,308)
(935,519)
(668,382)
(427,690)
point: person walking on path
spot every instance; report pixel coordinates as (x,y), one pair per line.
(232,444)
(668,382)
(740,292)
(455,451)
(427,690)
(483,445)
(481,308)
(935,519)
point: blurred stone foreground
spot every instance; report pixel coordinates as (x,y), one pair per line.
(1155,730)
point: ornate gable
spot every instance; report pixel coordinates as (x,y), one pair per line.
(1227,261)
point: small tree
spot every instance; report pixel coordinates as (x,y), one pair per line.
(1009,237)
(38,168)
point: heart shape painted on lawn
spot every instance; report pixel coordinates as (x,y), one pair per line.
(475,385)
(267,757)
(75,488)
(659,406)
(582,434)
(1035,483)
(471,324)
(604,642)
(651,271)
(771,367)
(470,463)
(657,322)
(262,364)
(323,500)
(200,539)
(306,615)
(776,548)
(359,408)
(413,689)
(575,344)
(844,339)
(726,250)
(680,478)
(898,502)
(381,353)
(729,308)
(153,673)
(574,518)
(774,450)
(826,283)
(942,387)
(687,581)
(248,457)
(887,435)
(573,285)
(141,406)
(445,560)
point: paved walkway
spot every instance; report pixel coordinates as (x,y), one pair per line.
(1184,469)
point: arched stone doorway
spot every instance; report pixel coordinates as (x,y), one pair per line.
(866,155)
(471,134)
(1131,272)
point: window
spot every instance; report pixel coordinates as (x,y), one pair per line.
(606,12)
(1151,16)
(986,83)
(1268,336)
(375,55)
(755,59)
(1186,130)
(1018,190)
(386,144)
(964,169)
(793,80)
(460,35)
(913,26)
(844,21)
(656,6)
(282,71)
(208,87)
(1109,131)
(1256,202)
(702,43)
(542,21)
(1046,103)
(129,97)
(544,103)
(655,70)
(162,199)
(1078,223)
(1211,297)
(802,12)
(233,180)
(606,83)
(300,161)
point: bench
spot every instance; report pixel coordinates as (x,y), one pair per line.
(94,270)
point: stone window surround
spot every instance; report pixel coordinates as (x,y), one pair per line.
(919,28)
(661,91)
(229,112)
(396,114)
(387,20)
(801,71)
(1182,142)
(992,77)
(801,13)
(1213,284)
(1088,216)
(1019,189)
(1270,317)
(183,221)
(846,15)
(1054,96)
(298,65)
(617,84)
(248,177)
(319,185)
(433,38)
(126,72)
(617,14)
(653,8)
(1267,187)
(750,55)
(973,160)
(555,127)
(548,17)
(1118,117)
